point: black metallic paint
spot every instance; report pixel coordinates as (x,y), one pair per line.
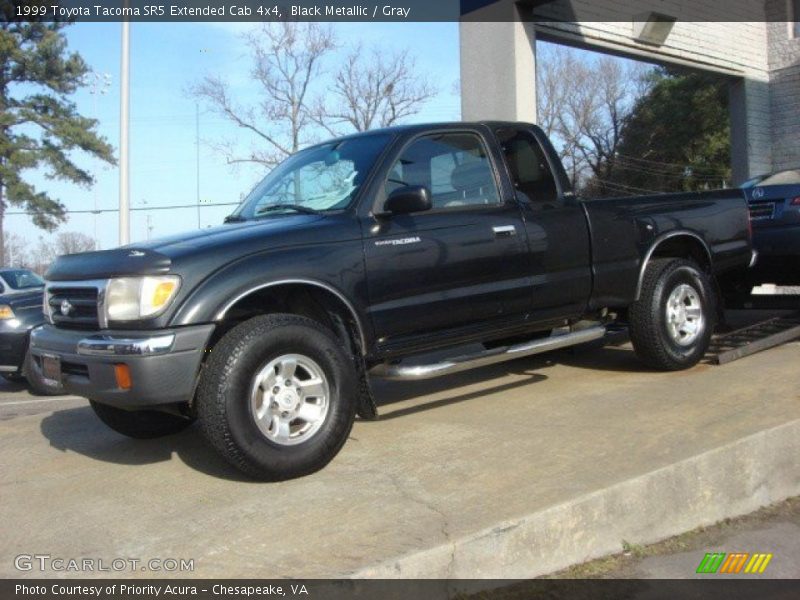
(460,283)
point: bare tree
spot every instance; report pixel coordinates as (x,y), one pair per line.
(287,58)
(73,242)
(41,256)
(15,250)
(584,105)
(22,253)
(552,92)
(374,89)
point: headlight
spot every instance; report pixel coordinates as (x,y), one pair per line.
(6,312)
(133,298)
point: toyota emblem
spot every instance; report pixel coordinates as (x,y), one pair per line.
(66,307)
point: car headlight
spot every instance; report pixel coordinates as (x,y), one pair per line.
(133,298)
(6,312)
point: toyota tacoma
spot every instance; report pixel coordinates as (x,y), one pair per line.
(356,257)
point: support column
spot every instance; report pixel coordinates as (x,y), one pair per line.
(751,140)
(498,70)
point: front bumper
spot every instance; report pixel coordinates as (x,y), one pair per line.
(163,364)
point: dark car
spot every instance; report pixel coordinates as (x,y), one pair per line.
(774,201)
(20,311)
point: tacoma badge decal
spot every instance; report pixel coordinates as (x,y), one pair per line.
(399,241)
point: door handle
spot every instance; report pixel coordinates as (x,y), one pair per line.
(504,230)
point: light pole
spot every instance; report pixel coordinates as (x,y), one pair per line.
(124,105)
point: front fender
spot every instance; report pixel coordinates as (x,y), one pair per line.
(339,268)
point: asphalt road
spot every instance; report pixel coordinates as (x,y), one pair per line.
(17,401)
(450,458)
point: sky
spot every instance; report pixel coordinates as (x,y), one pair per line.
(166,58)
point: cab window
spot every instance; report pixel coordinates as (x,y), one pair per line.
(527,163)
(454,167)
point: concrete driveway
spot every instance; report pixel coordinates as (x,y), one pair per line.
(474,475)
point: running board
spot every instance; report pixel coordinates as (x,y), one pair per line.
(406,372)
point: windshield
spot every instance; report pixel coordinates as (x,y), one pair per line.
(321,178)
(22,279)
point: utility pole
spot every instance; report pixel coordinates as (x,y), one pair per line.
(99,84)
(197,156)
(124,122)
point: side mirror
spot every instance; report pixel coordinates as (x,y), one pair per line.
(408,199)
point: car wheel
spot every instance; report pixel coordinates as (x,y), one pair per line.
(672,321)
(140,424)
(278,396)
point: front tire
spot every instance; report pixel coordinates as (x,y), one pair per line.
(278,396)
(140,424)
(672,321)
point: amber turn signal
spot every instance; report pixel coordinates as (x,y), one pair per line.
(123,375)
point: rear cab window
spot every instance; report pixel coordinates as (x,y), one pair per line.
(528,166)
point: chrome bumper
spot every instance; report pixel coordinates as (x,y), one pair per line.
(163,364)
(106,345)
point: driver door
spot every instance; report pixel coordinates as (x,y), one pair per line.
(461,265)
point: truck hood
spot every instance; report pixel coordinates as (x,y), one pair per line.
(214,247)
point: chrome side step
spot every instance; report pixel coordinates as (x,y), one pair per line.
(405,372)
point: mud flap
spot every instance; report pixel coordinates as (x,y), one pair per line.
(366,408)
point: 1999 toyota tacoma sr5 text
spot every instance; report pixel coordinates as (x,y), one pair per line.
(358,254)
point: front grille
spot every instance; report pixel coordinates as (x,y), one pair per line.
(762,210)
(69,368)
(80,305)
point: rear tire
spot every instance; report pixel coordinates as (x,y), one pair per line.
(140,424)
(278,396)
(672,321)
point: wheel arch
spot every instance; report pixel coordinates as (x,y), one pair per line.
(677,244)
(307,297)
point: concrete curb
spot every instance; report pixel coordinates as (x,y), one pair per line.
(728,481)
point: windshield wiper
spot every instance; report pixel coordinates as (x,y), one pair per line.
(234,219)
(296,207)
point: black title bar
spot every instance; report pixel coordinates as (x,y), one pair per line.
(394,10)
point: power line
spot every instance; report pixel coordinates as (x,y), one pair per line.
(133,208)
(669,164)
(648,171)
(623,186)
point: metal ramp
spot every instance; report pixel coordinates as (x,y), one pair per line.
(754,338)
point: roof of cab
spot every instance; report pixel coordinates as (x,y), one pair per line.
(420,127)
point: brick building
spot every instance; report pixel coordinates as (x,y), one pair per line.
(761,58)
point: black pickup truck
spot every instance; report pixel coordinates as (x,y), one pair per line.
(357,256)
